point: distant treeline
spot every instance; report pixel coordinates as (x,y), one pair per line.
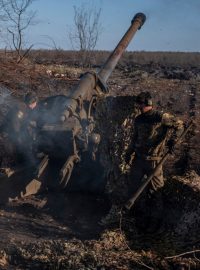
(164,58)
(98,57)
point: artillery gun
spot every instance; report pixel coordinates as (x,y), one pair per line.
(67,124)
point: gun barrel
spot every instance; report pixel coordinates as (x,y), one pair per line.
(112,61)
(88,82)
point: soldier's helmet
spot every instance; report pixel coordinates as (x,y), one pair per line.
(144,98)
(30,98)
(94,138)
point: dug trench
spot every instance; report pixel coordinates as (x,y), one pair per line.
(82,227)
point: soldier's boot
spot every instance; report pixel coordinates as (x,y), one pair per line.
(112,217)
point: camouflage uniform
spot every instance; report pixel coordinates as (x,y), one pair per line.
(22,125)
(152,131)
(13,126)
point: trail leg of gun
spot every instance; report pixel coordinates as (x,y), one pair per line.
(66,171)
(42,166)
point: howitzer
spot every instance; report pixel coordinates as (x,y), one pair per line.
(146,179)
(65,133)
(75,125)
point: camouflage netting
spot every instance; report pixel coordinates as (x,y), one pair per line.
(115,116)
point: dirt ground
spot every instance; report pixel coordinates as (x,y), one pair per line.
(64,230)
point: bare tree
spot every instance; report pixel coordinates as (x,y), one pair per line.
(18,18)
(54,45)
(87,29)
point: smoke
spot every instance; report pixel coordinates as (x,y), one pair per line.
(87,175)
(14,139)
(6,101)
(4,94)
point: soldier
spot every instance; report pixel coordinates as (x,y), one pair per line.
(33,109)
(22,124)
(14,130)
(31,100)
(153,132)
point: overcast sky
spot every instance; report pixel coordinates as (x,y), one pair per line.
(172,25)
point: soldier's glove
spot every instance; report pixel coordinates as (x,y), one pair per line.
(171,146)
(156,184)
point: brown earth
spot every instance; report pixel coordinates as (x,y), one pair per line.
(57,230)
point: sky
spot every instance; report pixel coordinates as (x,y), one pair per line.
(171,25)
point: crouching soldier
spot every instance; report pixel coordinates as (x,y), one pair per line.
(153,132)
(18,127)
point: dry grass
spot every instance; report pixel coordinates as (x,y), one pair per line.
(98,57)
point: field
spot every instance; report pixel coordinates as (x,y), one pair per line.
(64,230)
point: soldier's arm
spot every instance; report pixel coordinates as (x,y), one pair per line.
(175,124)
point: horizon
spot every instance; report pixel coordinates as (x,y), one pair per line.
(99,50)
